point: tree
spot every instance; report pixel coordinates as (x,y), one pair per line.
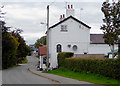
(9,44)
(13,45)
(40,42)
(111,23)
(23,50)
(28,50)
(9,48)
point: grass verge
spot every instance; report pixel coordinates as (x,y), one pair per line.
(93,78)
(37,57)
(11,67)
(24,61)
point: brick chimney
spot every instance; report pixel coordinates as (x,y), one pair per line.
(70,11)
(62,17)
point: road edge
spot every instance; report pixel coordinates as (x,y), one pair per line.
(43,76)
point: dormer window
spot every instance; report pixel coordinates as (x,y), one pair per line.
(64,28)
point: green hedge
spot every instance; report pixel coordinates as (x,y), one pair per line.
(61,57)
(105,67)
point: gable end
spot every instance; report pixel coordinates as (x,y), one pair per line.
(67,19)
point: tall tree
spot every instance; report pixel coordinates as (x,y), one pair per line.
(9,50)
(9,47)
(23,50)
(111,23)
(40,42)
(13,45)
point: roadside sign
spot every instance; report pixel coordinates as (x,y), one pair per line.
(43,50)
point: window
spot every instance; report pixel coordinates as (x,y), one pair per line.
(75,47)
(69,45)
(59,48)
(64,28)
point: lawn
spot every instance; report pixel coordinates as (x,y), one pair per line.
(93,78)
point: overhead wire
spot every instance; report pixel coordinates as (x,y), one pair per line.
(51,10)
(52,3)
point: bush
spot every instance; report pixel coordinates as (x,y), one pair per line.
(61,57)
(105,67)
(24,60)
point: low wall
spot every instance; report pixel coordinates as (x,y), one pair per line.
(89,55)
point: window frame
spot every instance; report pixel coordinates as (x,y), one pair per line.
(63,28)
(59,48)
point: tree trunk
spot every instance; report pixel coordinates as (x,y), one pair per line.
(119,48)
(112,50)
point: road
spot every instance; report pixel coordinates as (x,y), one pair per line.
(21,75)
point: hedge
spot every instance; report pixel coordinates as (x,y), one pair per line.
(105,67)
(61,57)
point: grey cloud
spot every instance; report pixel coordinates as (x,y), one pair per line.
(53,0)
(28,15)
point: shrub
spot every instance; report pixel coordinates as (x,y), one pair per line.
(105,67)
(61,57)
(24,60)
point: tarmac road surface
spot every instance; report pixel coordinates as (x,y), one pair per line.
(21,75)
(28,74)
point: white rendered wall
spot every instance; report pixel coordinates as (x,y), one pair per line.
(76,35)
(99,49)
(70,12)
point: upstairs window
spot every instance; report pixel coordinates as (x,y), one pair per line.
(64,28)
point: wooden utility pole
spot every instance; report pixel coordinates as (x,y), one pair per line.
(47,39)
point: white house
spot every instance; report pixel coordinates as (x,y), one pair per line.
(72,35)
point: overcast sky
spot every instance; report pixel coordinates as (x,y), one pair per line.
(28,14)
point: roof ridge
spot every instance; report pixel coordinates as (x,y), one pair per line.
(67,19)
(96,34)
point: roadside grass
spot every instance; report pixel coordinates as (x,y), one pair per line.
(93,78)
(37,57)
(11,67)
(24,61)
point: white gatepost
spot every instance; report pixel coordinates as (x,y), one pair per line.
(41,62)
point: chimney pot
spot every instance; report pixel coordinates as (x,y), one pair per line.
(63,15)
(60,16)
(68,7)
(71,6)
